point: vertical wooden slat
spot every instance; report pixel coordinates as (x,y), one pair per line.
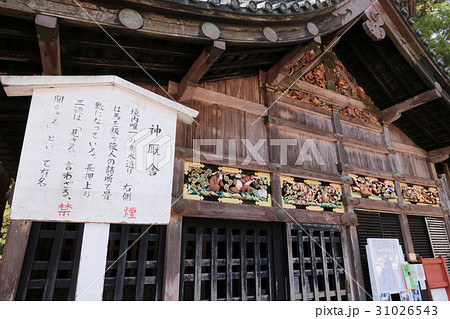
(257,265)
(301,254)
(121,263)
(214,264)
(160,263)
(277,250)
(140,277)
(27,261)
(325,266)
(272,273)
(179,294)
(335,266)
(172,257)
(313,265)
(229,266)
(76,263)
(54,261)
(243,264)
(290,261)
(198,264)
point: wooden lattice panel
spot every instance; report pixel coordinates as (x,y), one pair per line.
(135,273)
(50,267)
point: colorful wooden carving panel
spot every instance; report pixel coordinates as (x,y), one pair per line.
(420,195)
(373,188)
(360,115)
(226,184)
(312,195)
(305,97)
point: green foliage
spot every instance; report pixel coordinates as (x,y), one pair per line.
(4,229)
(425,7)
(433,17)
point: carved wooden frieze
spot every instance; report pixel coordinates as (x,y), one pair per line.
(304,61)
(226,184)
(373,188)
(420,195)
(360,115)
(305,97)
(312,195)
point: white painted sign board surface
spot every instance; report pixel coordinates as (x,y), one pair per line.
(385,258)
(96,154)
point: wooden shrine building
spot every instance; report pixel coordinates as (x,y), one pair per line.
(320,124)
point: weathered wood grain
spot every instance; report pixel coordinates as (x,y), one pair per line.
(12,259)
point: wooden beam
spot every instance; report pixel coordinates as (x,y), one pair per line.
(189,82)
(48,36)
(394,112)
(280,70)
(212,97)
(439,155)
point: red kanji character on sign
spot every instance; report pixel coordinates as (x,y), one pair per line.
(130,212)
(64,210)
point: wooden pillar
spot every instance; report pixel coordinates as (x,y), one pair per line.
(406,234)
(356,271)
(171,286)
(441,191)
(447,177)
(350,246)
(12,260)
(393,157)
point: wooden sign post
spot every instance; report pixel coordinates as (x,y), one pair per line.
(97,150)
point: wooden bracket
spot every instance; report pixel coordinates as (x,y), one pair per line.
(188,84)
(439,155)
(394,112)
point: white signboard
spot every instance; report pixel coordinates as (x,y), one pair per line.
(385,258)
(96,154)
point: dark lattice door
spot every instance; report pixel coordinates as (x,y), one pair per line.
(135,262)
(50,267)
(317,263)
(231,260)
